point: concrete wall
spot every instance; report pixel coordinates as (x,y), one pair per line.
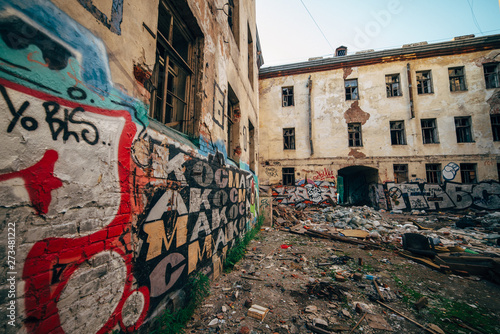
(331,155)
(106,213)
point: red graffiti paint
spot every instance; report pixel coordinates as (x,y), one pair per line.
(39,180)
(51,262)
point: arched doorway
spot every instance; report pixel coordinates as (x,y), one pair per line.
(355,181)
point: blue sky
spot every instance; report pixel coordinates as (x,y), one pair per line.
(288,34)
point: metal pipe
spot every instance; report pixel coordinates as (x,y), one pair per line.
(309,85)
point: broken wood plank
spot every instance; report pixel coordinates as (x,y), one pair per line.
(252,278)
(318,330)
(355,233)
(339,238)
(422,260)
(357,324)
(378,290)
(404,316)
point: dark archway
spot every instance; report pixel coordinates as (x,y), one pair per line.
(355,181)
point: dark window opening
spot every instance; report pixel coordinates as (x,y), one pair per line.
(289,139)
(424,82)
(287,93)
(232,127)
(351,89)
(251,141)
(491,75)
(433,173)
(400,173)
(398,133)
(429,131)
(354,133)
(463,127)
(468,173)
(495,126)
(392,85)
(288,176)
(457,79)
(250,58)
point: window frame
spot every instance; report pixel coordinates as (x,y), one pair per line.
(421,88)
(453,77)
(433,173)
(390,83)
(464,130)
(430,130)
(351,91)
(354,134)
(492,79)
(288,176)
(398,136)
(495,126)
(468,173)
(288,139)
(287,98)
(400,173)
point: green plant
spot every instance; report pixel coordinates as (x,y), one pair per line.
(173,322)
(238,251)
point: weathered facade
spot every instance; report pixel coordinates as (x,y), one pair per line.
(128,133)
(409,128)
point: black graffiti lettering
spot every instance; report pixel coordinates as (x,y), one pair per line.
(77,93)
(29,123)
(85,131)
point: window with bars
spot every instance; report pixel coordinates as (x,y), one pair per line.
(351,89)
(463,128)
(429,131)
(491,75)
(398,133)
(424,82)
(289,139)
(468,173)
(433,173)
(288,174)
(392,85)
(287,94)
(354,134)
(457,79)
(495,126)
(400,173)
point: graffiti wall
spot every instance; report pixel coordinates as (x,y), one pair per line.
(306,192)
(103,218)
(448,196)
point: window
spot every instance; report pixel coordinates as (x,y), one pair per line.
(232,128)
(498,171)
(172,72)
(495,126)
(463,127)
(287,93)
(491,75)
(424,82)
(351,89)
(401,173)
(251,142)
(392,85)
(457,79)
(468,173)
(429,131)
(233,19)
(433,173)
(289,139)
(288,176)
(354,133)
(398,133)
(250,57)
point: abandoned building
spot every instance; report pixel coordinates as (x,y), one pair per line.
(129,149)
(412,128)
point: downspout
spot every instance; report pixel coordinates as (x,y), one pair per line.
(309,111)
(412,110)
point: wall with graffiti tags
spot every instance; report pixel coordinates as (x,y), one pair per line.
(310,192)
(105,213)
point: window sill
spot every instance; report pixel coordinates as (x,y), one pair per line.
(425,93)
(172,133)
(459,91)
(389,97)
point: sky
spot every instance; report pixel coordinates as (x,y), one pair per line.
(292,31)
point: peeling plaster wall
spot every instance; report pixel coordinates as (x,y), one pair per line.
(374,110)
(106,213)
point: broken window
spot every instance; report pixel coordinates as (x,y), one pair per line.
(433,173)
(400,173)
(468,173)
(457,79)
(351,89)
(463,127)
(392,85)
(289,139)
(354,133)
(172,72)
(429,131)
(424,82)
(288,176)
(491,75)
(398,133)
(495,126)
(287,93)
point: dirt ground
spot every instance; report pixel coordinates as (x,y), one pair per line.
(315,285)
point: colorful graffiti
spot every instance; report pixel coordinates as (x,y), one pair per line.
(424,196)
(318,192)
(323,175)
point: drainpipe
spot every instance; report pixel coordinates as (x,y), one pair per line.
(412,110)
(309,85)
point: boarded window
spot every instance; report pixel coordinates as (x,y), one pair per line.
(398,133)
(287,93)
(463,127)
(400,173)
(433,173)
(288,176)
(289,139)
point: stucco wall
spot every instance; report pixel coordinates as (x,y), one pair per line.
(105,213)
